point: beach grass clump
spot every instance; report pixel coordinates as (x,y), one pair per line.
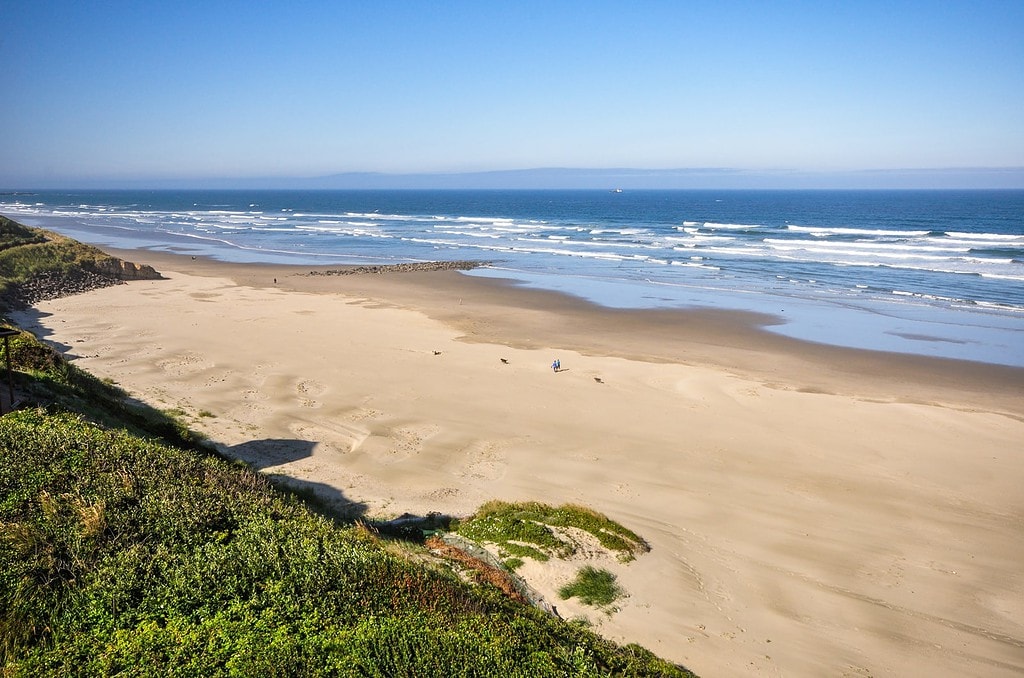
(525,530)
(119,552)
(593,586)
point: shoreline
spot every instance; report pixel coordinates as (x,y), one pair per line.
(811,510)
(728,339)
(889,310)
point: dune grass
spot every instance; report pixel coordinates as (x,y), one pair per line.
(524,530)
(26,252)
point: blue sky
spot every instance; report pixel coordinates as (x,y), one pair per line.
(129,91)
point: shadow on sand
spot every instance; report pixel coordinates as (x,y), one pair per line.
(30,320)
(270,452)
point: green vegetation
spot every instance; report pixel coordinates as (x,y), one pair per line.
(126,554)
(44,378)
(524,530)
(29,252)
(128,547)
(13,234)
(592,587)
(513,564)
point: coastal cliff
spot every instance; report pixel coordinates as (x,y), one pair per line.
(36,265)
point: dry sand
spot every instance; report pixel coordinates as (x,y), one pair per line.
(811,511)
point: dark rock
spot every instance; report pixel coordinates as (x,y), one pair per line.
(405,268)
(56,284)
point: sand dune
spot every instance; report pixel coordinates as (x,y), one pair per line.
(811,511)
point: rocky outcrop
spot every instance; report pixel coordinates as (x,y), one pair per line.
(56,284)
(405,268)
(37,265)
(88,276)
(125,270)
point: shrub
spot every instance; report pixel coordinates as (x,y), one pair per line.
(593,587)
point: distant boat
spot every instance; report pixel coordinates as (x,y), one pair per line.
(616,190)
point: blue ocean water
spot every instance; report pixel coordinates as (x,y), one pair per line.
(928,272)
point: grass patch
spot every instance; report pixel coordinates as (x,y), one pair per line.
(524,530)
(593,587)
(513,564)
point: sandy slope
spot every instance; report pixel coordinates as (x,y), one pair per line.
(810,511)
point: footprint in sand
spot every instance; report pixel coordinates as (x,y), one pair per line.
(442,493)
(184,365)
(249,414)
(307,390)
(361,414)
(624,490)
(331,437)
(395,444)
(310,387)
(218,378)
(483,461)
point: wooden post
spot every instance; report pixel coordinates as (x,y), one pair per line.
(7,334)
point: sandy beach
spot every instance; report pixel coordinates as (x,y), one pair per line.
(811,511)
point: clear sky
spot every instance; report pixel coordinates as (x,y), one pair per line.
(211,89)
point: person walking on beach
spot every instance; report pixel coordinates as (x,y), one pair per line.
(557,365)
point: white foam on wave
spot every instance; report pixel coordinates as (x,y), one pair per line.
(700,238)
(485,220)
(741,251)
(209,228)
(1002,237)
(619,231)
(825,231)
(999,307)
(1000,276)
(827,252)
(984,244)
(694,264)
(613,244)
(731,227)
(342,228)
(471,234)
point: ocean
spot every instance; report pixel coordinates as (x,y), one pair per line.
(924,272)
